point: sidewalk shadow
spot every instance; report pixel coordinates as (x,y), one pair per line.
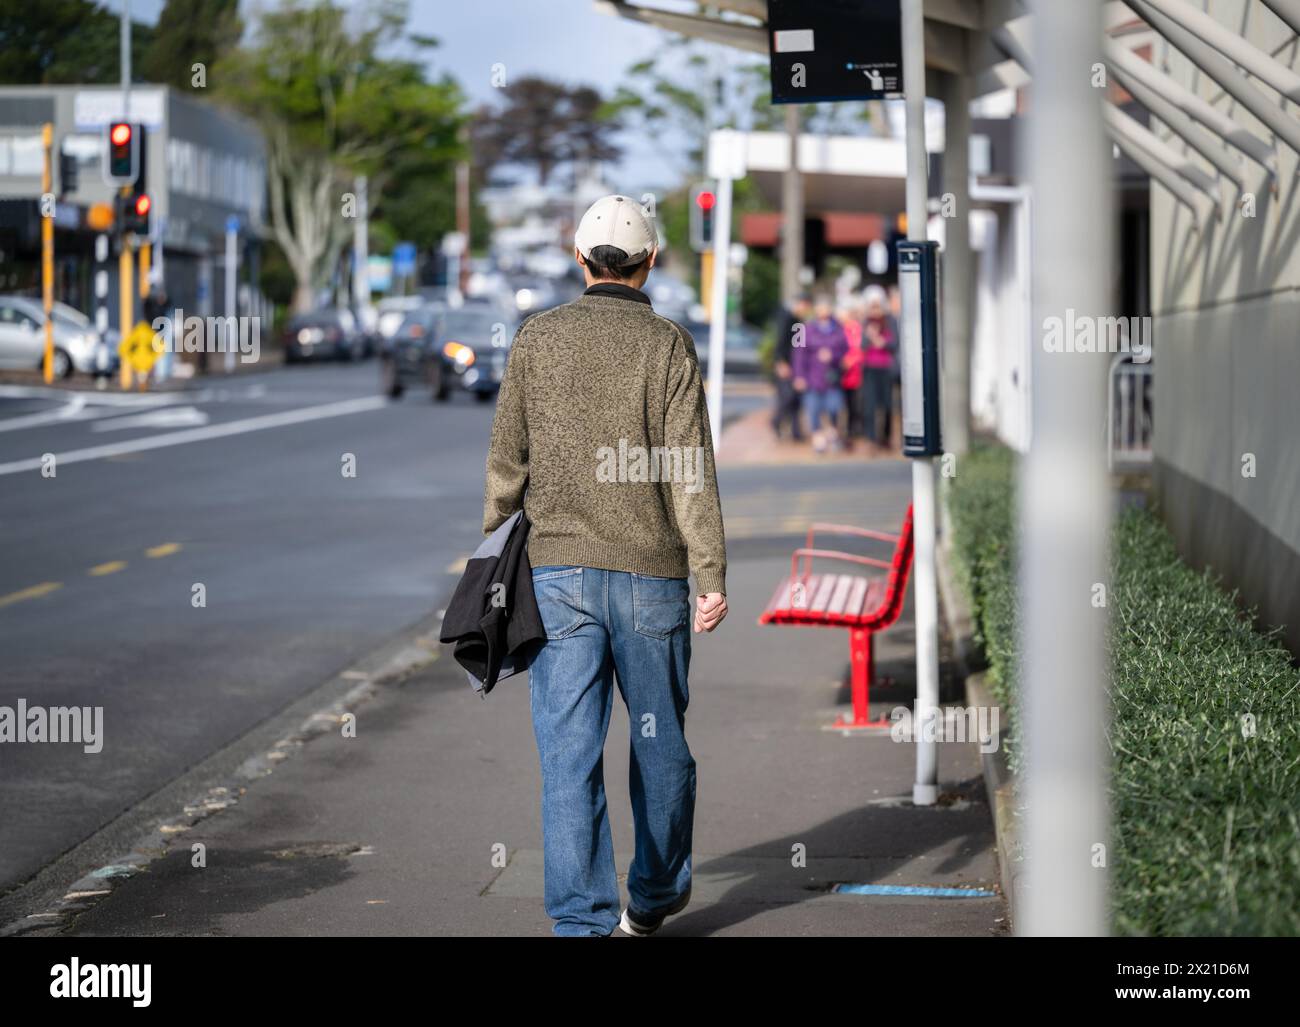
(882,836)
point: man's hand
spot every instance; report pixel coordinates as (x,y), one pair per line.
(709,611)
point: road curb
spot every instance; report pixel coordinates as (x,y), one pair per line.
(47,902)
(1000,784)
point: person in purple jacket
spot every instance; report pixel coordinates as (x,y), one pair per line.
(818,367)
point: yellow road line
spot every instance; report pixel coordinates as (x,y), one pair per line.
(166,549)
(35,592)
(112,567)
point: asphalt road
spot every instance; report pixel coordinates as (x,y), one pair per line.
(243,493)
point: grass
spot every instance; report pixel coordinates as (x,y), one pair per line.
(1205,787)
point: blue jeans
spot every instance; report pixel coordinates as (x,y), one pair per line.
(817,403)
(600,625)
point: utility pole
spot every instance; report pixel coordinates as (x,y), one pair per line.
(462,222)
(925,790)
(792,213)
(958,266)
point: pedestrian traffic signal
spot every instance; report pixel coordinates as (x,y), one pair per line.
(68,177)
(135,213)
(122,154)
(703,203)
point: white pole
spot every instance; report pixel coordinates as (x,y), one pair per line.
(361,245)
(718,315)
(232,260)
(1064,491)
(124,42)
(925,790)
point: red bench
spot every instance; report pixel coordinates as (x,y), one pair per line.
(862,604)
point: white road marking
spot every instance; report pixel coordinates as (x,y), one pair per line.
(108,399)
(77,406)
(166,417)
(212,431)
(73,410)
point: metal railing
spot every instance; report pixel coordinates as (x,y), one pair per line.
(1128,412)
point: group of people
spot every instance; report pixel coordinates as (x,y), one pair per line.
(838,369)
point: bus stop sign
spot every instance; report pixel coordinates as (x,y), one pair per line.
(826,50)
(918,287)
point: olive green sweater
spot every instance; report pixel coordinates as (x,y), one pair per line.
(602,435)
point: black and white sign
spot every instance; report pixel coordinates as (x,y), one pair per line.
(827,50)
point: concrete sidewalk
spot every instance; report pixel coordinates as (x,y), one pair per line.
(427,822)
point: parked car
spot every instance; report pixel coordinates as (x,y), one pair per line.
(22,337)
(328,334)
(409,356)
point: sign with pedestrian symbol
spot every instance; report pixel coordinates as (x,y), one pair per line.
(141,348)
(826,50)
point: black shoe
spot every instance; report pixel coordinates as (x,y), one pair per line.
(642,925)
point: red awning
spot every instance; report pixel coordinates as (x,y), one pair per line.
(853,229)
(842,229)
(761,230)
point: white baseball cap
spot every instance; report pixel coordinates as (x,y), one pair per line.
(617,221)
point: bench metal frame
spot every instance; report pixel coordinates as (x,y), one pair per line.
(862,624)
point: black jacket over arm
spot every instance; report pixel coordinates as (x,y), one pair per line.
(493,618)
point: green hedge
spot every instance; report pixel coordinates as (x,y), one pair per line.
(981,507)
(1205,786)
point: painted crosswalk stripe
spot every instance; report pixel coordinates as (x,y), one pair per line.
(211,431)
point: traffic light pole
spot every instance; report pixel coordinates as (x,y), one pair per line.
(126,306)
(925,789)
(47,249)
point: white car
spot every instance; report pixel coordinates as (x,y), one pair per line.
(22,337)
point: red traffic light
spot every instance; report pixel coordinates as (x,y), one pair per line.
(705,199)
(142,204)
(120,134)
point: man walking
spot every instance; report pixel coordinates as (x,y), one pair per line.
(602,437)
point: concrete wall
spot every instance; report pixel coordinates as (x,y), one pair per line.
(1226,309)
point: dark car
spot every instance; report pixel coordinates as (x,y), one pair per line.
(409,356)
(474,342)
(321,335)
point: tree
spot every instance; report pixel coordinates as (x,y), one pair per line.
(64,41)
(190,32)
(690,88)
(331,108)
(544,124)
